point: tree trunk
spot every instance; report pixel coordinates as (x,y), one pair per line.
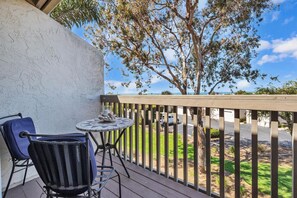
(201,142)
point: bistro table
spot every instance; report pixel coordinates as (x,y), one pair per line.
(97,126)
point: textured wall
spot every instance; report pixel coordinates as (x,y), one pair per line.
(46,72)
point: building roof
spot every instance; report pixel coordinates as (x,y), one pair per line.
(44,5)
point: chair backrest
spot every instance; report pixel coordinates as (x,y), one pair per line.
(17,146)
(62,163)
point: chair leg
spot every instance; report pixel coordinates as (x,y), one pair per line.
(10,177)
(120,185)
(24,180)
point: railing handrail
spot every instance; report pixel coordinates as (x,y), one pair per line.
(249,102)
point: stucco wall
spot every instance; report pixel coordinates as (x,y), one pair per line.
(46,72)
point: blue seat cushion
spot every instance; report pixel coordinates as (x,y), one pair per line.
(18,146)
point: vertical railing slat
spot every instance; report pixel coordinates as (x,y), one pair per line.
(120,114)
(294,155)
(130,134)
(237,151)
(143,117)
(175,143)
(158,143)
(116,111)
(166,142)
(254,154)
(208,151)
(125,134)
(274,154)
(150,118)
(136,134)
(195,136)
(222,152)
(185,145)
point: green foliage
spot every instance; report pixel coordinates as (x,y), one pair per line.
(189,47)
(76,12)
(232,149)
(214,133)
(289,87)
(166,93)
(242,92)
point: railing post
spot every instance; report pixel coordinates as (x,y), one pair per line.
(237,151)
(137,134)
(274,154)
(175,143)
(125,134)
(143,118)
(185,144)
(150,124)
(195,136)
(131,134)
(158,145)
(207,151)
(222,152)
(254,154)
(166,141)
(294,155)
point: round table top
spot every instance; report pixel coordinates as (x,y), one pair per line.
(94,125)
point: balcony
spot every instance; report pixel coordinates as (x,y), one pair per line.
(245,160)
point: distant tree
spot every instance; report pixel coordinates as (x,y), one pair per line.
(242,92)
(166,93)
(191,47)
(76,12)
(289,87)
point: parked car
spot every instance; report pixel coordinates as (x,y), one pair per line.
(170,120)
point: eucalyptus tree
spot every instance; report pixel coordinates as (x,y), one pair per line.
(76,12)
(195,47)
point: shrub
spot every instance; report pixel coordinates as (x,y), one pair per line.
(214,133)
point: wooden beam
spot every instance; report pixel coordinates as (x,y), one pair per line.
(254,102)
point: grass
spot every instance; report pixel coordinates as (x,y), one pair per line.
(284,172)
(284,176)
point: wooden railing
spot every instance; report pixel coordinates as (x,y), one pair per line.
(158,157)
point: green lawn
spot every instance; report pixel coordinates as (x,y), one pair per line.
(285,173)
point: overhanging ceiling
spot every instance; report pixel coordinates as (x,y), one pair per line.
(44,5)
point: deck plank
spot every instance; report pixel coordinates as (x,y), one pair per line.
(167,187)
(143,183)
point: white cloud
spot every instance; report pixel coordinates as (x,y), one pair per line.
(277,1)
(275,16)
(281,48)
(170,55)
(268,59)
(288,20)
(264,45)
(155,79)
(288,46)
(295,54)
(243,84)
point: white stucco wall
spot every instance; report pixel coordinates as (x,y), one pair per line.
(46,72)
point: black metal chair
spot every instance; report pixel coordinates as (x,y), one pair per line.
(17,146)
(67,166)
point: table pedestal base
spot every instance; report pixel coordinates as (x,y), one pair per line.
(107,147)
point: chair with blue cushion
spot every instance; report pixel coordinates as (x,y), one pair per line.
(67,166)
(17,146)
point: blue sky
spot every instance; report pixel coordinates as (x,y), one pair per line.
(277,55)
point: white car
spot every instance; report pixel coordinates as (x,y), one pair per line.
(170,120)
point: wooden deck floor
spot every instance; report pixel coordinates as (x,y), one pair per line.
(142,183)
